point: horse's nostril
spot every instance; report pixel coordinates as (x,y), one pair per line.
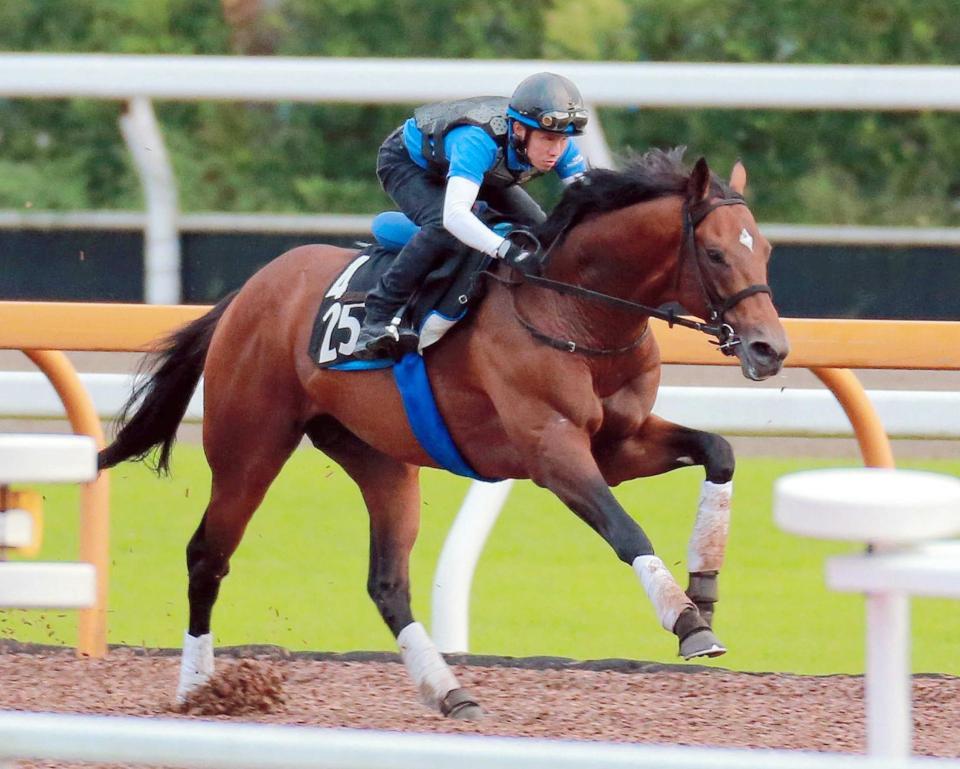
(763,351)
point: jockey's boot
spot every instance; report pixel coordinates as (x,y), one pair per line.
(382,337)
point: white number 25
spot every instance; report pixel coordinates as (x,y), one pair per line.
(338,317)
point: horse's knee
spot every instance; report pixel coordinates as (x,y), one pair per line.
(718,459)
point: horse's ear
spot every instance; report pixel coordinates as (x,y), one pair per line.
(698,185)
(738,178)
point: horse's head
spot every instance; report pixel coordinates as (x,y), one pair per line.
(723,272)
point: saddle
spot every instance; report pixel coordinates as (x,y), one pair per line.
(443,299)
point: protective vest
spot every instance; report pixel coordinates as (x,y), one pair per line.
(435,121)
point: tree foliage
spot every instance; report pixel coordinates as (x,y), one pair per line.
(806,166)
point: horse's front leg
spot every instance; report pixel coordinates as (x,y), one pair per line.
(563,462)
(659,446)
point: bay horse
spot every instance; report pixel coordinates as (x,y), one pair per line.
(551,379)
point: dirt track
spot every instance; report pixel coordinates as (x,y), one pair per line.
(616,700)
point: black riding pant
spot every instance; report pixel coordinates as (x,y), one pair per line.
(419,193)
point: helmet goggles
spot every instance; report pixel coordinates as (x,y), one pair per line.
(562,121)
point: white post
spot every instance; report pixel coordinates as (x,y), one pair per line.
(887,681)
(594,145)
(458,560)
(895,512)
(161,247)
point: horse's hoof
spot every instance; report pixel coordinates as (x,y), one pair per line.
(460,704)
(701,643)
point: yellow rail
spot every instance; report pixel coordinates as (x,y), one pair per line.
(875,344)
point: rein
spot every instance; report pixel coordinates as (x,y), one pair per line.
(715,326)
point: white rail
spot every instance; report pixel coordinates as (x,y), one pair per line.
(391,81)
(205,745)
(922,414)
(358,225)
(398,81)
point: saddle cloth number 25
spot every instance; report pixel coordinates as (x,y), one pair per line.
(337,318)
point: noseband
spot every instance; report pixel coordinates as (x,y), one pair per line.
(727,338)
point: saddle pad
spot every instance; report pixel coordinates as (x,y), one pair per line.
(410,374)
(442,300)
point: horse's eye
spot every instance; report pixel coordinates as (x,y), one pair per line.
(715,255)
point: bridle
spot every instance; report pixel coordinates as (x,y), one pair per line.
(727,338)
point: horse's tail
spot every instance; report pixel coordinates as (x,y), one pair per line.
(153,412)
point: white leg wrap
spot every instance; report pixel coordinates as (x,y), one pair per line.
(665,594)
(708,542)
(426,667)
(196,664)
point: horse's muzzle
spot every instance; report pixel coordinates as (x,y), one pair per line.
(761,358)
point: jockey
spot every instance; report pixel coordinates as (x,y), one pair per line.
(437,164)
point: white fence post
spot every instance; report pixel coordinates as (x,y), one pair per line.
(450,624)
(161,239)
(887,679)
(895,512)
(593,143)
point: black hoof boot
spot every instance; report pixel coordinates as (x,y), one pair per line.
(696,637)
(702,590)
(461,704)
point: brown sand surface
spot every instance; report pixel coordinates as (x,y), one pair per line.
(611,700)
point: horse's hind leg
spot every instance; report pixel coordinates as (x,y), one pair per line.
(661,446)
(241,477)
(391,491)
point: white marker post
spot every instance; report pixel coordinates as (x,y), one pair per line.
(894,512)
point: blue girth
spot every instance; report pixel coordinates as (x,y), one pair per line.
(425,420)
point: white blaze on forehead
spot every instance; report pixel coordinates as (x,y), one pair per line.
(746,239)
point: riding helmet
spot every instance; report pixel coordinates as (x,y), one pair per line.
(549,102)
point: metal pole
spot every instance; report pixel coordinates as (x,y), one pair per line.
(94,498)
(458,561)
(873,440)
(161,247)
(887,682)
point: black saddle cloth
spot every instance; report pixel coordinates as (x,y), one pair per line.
(443,298)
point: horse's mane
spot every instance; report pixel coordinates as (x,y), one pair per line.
(653,174)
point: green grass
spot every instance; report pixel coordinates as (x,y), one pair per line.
(546,584)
